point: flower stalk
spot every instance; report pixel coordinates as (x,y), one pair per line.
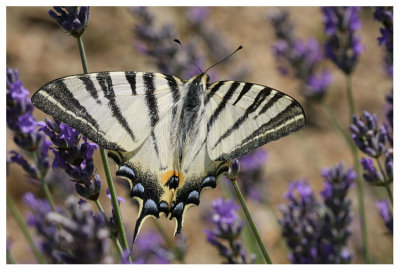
(106,166)
(24,228)
(232,177)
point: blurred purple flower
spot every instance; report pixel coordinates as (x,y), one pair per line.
(84,237)
(385,16)
(301,223)
(343,45)
(47,232)
(371,175)
(72,19)
(384,211)
(299,58)
(150,249)
(227,227)
(337,218)
(316,232)
(197,14)
(389,111)
(21,121)
(74,154)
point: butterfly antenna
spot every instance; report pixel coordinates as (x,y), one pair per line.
(225,58)
(191,60)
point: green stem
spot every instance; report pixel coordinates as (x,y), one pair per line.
(44,185)
(114,199)
(24,228)
(350,96)
(250,220)
(83,55)
(106,165)
(249,241)
(386,181)
(10,259)
(360,192)
(115,240)
(328,111)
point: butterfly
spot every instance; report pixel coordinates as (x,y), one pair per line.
(170,138)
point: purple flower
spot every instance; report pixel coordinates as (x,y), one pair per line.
(343,45)
(384,211)
(17,158)
(385,16)
(72,19)
(74,154)
(367,136)
(371,175)
(224,212)
(227,227)
(300,223)
(318,232)
(47,232)
(21,121)
(84,237)
(317,84)
(337,218)
(299,58)
(150,249)
(197,14)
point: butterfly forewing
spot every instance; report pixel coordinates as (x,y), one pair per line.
(117,110)
(243,116)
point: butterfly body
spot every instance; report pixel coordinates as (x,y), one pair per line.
(170,138)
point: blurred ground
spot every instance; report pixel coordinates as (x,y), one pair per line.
(42,52)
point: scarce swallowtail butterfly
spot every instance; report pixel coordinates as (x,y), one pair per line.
(170,138)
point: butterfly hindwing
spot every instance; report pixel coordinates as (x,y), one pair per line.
(243,116)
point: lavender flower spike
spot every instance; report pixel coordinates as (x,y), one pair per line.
(299,58)
(72,19)
(21,121)
(384,211)
(314,232)
(228,227)
(385,16)
(367,136)
(343,45)
(85,235)
(337,218)
(74,154)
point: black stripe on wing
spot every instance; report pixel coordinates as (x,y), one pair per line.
(212,91)
(222,104)
(173,84)
(106,85)
(81,119)
(245,89)
(269,104)
(151,100)
(261,135)
(131,78)
(252,108)
(90,88)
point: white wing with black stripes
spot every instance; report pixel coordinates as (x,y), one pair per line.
(170,138)
(107,107)
(243,116)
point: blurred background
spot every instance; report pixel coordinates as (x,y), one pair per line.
(42,51)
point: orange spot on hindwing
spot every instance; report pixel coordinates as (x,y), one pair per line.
(172,179)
